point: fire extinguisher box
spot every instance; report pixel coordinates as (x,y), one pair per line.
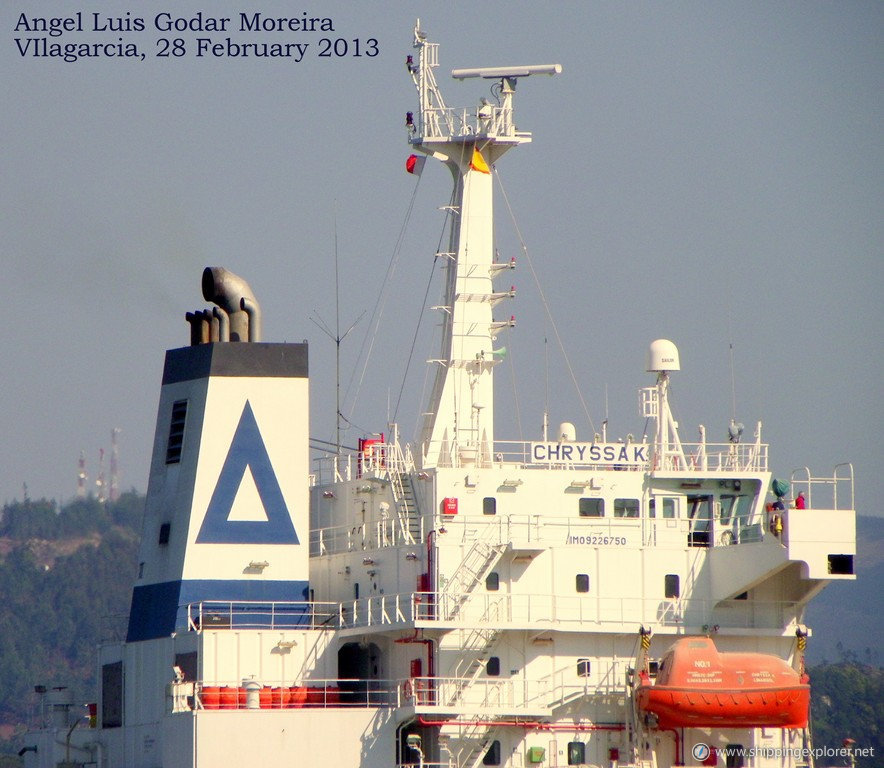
(449,505)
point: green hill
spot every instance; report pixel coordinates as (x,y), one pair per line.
(65,584)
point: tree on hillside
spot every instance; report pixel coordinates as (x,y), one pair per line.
(847,701)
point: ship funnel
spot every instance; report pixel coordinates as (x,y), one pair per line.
(233,294)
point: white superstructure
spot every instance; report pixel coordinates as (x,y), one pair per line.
(460,602)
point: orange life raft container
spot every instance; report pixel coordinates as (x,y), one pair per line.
(698,687)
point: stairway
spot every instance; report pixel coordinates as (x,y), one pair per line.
(473,569)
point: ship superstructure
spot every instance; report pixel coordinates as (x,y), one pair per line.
(463,601)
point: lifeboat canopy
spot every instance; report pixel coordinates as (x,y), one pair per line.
(698,687)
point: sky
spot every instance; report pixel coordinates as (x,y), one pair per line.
(710,173)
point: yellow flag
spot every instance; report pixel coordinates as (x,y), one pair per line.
(478,162)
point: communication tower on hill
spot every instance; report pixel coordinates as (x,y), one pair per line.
(114,490)
(81,476)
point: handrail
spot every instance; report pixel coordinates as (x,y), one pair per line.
(391,457)
(551,611)
(842,475)
(543,611)
(254,614)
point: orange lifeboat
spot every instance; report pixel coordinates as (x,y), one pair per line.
(698,687)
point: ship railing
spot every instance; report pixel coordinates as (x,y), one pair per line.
(551,611)
(828,492)
(527,531)
(365,536)
(453,122)
(599,680)
(209,694)
(693,458)
(245,614)
(486,696)
(382,460)
(530,530)
(386,458)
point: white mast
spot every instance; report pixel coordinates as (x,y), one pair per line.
(459,423)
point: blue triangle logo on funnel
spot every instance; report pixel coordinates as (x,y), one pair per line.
(247,451)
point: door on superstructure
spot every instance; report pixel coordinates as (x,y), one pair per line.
(700,516)
(360,669)
(662,520)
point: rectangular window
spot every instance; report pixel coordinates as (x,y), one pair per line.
(492,668)
(726,509)
(112,695)
(625,507)
(576,753)
(176,432)
(700,513)
(582,582)
(489,505)
(592,507)
(671,586)
(492,581)
(583,667)
(165,530)
(668,505)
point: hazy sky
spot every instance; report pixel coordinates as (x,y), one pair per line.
(707,172)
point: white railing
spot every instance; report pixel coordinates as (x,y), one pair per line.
(390,457)
(365,536)
(513,611)
(833,492)
(446,122)
(550,611)
(225,694)
(383,459)
(462,694)
(246,614)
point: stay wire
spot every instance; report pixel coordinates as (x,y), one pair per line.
(445,221)
(378,310)
(544,301)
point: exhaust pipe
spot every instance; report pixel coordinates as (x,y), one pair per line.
(233,294)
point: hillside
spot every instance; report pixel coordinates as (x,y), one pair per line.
(65,584)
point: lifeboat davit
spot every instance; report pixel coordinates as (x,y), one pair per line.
(698,687)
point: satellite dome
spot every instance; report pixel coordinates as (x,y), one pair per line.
(662,356)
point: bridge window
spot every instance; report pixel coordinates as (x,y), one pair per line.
(592,507)
(667,504)
(625,507)
(700,513)
(582,582)
(489,505)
